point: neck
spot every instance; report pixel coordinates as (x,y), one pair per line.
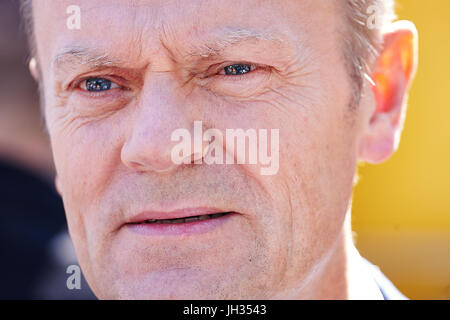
(340,275)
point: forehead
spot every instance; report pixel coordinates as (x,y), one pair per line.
(132,28)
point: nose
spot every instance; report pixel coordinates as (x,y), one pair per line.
(160,111)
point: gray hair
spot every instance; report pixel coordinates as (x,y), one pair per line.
(362,40)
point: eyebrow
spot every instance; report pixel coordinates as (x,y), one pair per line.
(86,56)
(82,56)
(230,37)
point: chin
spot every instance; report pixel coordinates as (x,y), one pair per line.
(183,284)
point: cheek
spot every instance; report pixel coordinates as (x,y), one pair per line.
(84,157)
(327,166)
(317,165)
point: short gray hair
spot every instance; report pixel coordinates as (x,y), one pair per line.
(365,20)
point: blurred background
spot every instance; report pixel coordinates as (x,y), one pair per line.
(401,209)
(35,248)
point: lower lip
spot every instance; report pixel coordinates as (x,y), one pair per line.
(177,229)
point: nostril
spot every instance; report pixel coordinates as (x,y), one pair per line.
(136,165)
(199,157)
(154,166)
(146,157)
(143,152)
(143,161)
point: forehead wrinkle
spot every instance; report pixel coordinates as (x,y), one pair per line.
(76,55)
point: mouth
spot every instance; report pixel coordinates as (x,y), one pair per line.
(185,219)
(183,222)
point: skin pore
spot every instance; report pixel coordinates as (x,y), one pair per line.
(165,60)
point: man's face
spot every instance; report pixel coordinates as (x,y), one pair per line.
(163,63)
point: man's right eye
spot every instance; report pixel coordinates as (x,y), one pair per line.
(98,85)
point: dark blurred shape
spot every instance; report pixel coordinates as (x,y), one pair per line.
(35,249)
(31,215)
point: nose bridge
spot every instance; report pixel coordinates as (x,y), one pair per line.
(159,112)
(161,109)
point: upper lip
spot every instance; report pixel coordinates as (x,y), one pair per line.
(180,213)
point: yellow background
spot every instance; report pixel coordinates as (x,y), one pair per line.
(401,209)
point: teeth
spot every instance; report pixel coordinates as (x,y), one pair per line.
(183,220)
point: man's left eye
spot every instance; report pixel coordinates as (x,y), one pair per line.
(238,69)
(98,85)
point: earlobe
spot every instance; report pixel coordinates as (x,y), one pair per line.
(392,76)
(32,66)
(57,185)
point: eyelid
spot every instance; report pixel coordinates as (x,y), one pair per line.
(218,68)
(253,67)
(80,83)
(243,85)
(115,81)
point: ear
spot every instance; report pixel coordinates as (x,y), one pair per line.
(58,185)
(392,76)
(32,66)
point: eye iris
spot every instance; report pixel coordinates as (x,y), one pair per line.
(98,84)
(237,69)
